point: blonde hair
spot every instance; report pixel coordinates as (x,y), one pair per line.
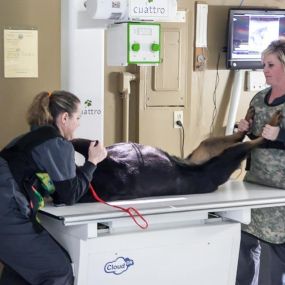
(46,107)
(278,48)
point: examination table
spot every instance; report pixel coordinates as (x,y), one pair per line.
(190,240)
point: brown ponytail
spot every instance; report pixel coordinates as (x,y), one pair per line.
(38,113)
(46,107)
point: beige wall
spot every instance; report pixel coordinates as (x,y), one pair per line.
(203,83)
(148,125)
(155,124)
(16,94)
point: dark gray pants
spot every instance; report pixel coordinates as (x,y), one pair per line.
(36,257)
(260,263)
(249,260)
(272,264)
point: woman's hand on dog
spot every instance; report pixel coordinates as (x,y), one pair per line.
(244,125)
(270,132)
(96,152)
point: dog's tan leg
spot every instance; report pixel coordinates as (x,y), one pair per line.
(274,121)
(212,147)
(250,113)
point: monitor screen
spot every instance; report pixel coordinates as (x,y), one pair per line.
(250,31)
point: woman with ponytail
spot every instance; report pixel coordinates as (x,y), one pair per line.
(33,166)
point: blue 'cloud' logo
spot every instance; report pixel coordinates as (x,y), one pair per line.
(118,266)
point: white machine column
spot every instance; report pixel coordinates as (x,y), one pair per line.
(235,97)
(82,65)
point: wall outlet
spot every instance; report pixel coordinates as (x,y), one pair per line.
(177,116)
(255,81)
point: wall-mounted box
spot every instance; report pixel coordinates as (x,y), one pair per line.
(133,43)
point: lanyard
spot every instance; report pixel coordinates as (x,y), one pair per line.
(132,212)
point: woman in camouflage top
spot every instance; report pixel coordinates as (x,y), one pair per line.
(267,167)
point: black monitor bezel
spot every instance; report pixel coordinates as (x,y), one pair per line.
(245,63)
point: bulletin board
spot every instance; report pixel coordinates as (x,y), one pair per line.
(20,53)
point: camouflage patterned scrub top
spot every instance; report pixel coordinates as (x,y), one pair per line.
(267,167)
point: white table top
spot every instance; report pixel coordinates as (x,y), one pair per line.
(232,195)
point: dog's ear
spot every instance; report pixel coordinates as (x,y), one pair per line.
(81,146)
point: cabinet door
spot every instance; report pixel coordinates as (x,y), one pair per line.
(166,83)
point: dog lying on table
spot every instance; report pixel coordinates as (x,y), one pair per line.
(133,170)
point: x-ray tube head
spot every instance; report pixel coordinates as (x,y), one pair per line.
(107,9)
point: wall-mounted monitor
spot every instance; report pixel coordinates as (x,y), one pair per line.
(249,32)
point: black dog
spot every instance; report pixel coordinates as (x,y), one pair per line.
(133,170)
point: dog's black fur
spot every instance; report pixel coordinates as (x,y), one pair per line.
(133,170)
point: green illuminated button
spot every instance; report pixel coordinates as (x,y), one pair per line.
(136,47)
(155,47)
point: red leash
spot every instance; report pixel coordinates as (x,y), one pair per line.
(132,212)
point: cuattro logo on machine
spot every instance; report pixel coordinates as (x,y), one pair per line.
(89,110)
(118,266)
(150,8)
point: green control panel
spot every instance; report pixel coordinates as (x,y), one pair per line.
(143,43)
(133,43)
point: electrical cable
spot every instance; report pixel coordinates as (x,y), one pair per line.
(241,3)
(179,123)
(214,114)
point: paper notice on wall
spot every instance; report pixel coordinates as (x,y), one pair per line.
(20,53)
